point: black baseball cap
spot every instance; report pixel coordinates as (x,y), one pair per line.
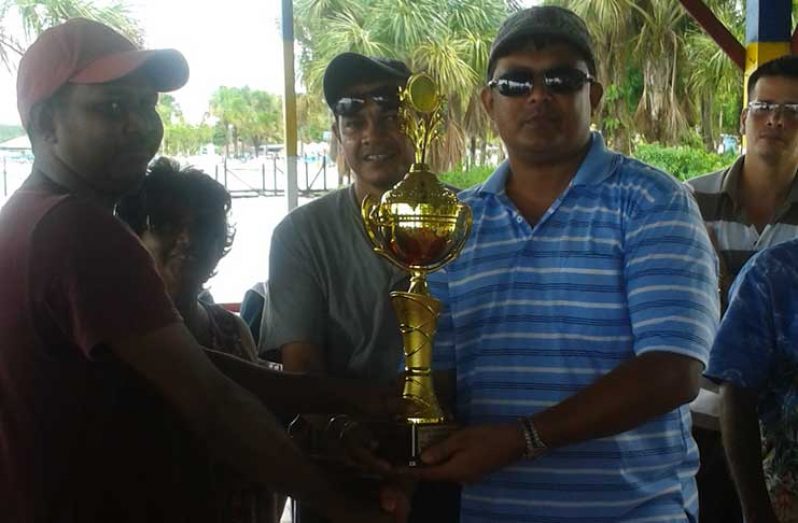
(349,69)
(545,21)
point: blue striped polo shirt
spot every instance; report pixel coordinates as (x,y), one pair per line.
(618,266)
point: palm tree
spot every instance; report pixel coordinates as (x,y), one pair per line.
(663,75)
(36,16)
(477,22)
(613,30)
(449,39)
(662,113)
(714,82)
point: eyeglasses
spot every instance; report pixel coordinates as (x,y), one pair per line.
(386,99)
(560,80)
(761,108)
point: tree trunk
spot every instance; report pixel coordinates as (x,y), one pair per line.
(473,161)
(707,136)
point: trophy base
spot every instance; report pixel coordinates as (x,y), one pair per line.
(401,443)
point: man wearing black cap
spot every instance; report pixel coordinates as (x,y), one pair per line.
(109,409)
(581,311)
(329,307)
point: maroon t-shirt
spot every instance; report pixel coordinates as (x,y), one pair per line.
(82,437)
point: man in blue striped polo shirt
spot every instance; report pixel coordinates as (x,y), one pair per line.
(580,314)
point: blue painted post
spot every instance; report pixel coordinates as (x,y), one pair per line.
(767,32)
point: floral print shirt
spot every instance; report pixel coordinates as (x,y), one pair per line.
(757,348)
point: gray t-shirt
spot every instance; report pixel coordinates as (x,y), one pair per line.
(327,286)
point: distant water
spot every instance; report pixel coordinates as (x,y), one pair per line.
(254,217)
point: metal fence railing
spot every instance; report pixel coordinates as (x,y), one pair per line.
(267,178)
(263,176)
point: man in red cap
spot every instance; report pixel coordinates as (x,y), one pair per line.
(108,406)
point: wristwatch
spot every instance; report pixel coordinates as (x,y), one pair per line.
(533,444)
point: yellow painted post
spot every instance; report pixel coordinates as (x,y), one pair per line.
(289,106)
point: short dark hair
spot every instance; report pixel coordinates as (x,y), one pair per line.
(538,42)
(167,188)
(786,66)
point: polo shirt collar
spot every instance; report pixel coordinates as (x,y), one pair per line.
(496,182)
(598,163)
(730,184)
(595,168)
(792,196)
(731,178)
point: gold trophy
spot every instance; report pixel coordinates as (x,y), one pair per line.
(419,225)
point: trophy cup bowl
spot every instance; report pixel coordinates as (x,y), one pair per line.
(419,224)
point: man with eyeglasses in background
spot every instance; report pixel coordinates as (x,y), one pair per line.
(747,207)
(753,204)
(328,308)
(580,313)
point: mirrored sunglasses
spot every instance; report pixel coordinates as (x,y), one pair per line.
(561,80)
(351,105)
(762,108)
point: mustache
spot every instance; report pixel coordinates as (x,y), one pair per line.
(772,134)
(540,115)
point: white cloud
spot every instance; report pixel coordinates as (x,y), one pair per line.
(233,43)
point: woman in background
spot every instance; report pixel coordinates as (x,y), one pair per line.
(181,216)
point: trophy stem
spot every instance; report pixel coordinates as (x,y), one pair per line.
(417,314)
(418,285)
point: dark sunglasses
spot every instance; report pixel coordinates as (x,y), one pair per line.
(560,80)
(387,100)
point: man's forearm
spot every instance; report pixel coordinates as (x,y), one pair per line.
(231,422)
(287,393)
(742,441)
(638,390)
(278,464)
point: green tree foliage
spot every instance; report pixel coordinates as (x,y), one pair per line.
(682,161)
(313,118)
(180,137)
(186,139)
(168,109)
(34,16)
(664,77)
(251,117)
(465,179)
(449,39)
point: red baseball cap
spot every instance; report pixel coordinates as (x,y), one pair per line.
(82,51)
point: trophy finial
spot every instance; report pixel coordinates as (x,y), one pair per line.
(421,112)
